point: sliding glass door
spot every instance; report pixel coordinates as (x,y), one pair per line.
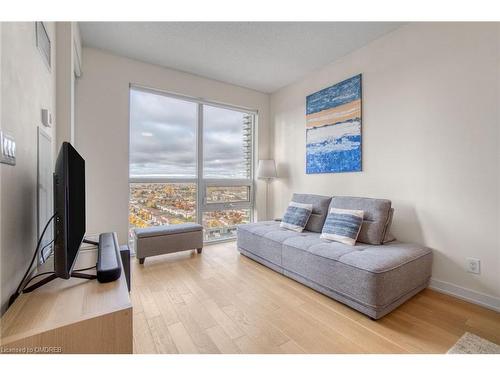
(190,161)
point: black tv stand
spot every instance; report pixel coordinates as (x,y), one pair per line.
(108,267)
(53,276)
(95,243)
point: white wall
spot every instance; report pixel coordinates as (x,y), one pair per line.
(1,183)
(65,80)
(27,86)
(68,55)
(430,143)
(102,127)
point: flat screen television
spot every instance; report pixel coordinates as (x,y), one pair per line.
(69,207)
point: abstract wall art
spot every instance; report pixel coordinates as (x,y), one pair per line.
(333,128)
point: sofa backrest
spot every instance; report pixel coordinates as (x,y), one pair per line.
(376,216)
(320,209)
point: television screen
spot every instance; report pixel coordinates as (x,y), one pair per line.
(69,206)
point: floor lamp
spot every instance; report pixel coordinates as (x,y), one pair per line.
(266,171)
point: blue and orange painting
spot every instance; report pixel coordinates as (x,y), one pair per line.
(333,128)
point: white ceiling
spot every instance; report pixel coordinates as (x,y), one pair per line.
(263,56)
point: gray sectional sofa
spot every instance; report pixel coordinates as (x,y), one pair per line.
(374,276)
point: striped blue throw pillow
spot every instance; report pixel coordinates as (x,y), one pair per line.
(342,226)
(296,216)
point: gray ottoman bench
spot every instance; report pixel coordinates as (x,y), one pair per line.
(166,239)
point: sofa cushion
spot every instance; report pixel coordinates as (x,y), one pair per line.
(383,258)
(335,250)
(320,205)
(374,276)
(342,226)
(264,239)
(295,251)
(296,216)
(376,215)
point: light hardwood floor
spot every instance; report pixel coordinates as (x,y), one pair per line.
(222,302)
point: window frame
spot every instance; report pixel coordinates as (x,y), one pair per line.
(202,183)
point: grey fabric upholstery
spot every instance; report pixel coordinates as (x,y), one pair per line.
(371,276)
(375,314)
(375,218)
(167,239)
(388,236)
(264,239)
(162,230)
(263,261)
(320,209)
(374,279)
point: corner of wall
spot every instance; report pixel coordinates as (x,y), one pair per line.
(65,82)
(27,83)
(423,85)
(2,299)
(77,49)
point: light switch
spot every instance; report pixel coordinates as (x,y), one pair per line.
(46,118)
(8,149)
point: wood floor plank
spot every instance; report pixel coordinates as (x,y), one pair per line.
(222,302)
(364,338)
(485,328)
(192,282)
(161,336)
(143,340)
(310,334)
(291,347)
(148,303)
(248,346)
(198,335)
(448,320)
(256,327)
(165,306)
(223,342)
(135,298)
(219,295)
(200,315)
(227,325)
(174,295)
(181,339)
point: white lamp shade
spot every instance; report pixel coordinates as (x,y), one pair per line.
(266,169)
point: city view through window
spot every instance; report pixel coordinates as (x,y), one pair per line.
(170,203)
(161,204)
(164,186)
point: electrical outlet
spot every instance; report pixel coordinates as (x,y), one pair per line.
(473,265)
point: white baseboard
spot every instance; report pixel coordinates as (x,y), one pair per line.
(468,295)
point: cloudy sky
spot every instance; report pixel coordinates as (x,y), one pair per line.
(163,138)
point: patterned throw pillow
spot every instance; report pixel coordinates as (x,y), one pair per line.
(296,216)
(342,225)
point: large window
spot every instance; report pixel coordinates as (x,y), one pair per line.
(227,143)
(190,161)
(161,204)
(162,136)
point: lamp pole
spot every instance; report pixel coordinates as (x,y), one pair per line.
(268,180)
(267,171)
